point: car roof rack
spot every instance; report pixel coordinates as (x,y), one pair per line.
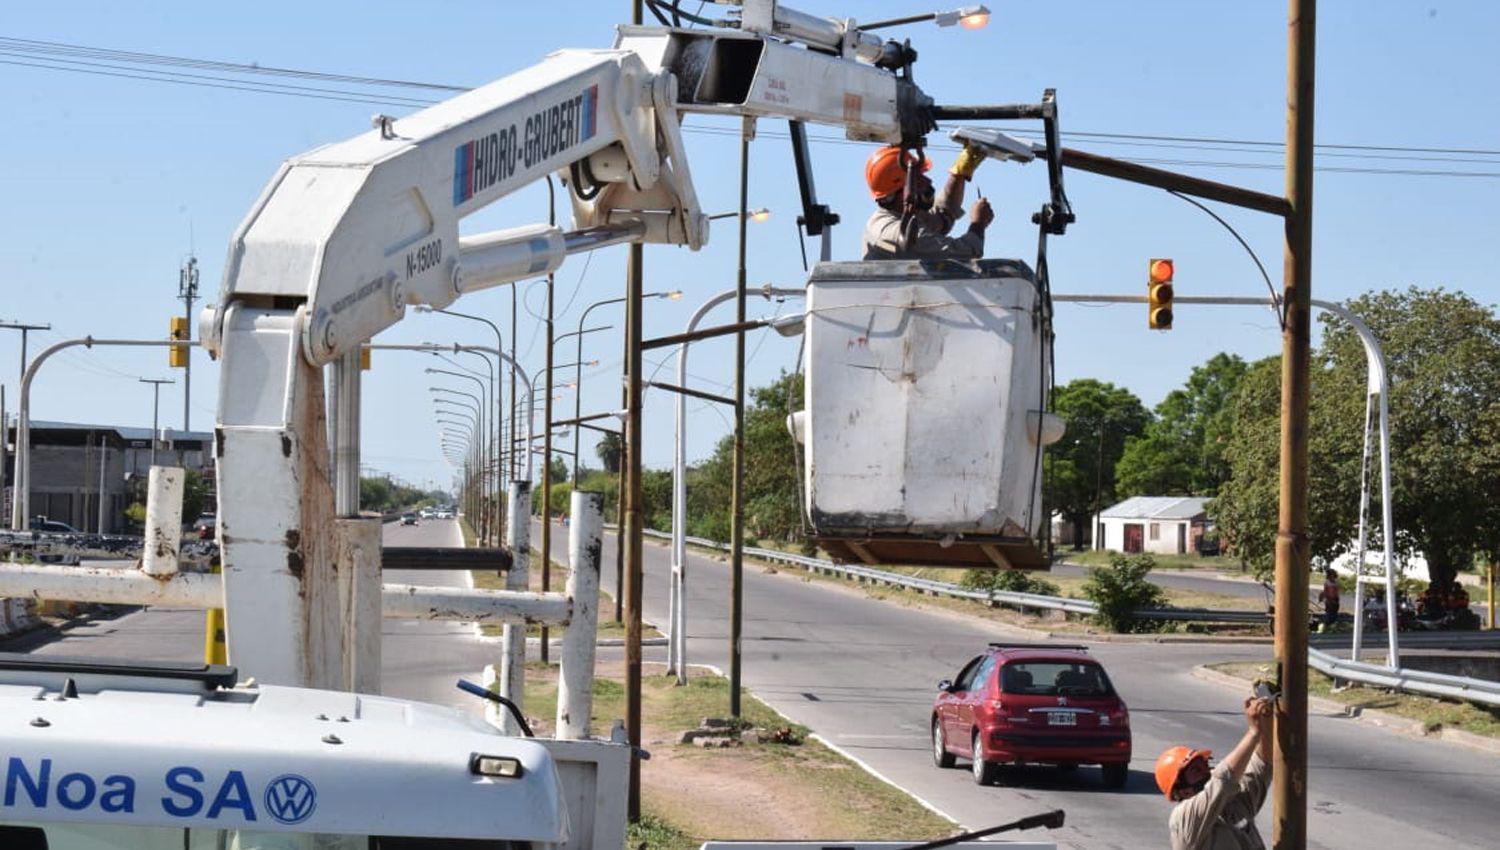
(208,675)
(1071,647)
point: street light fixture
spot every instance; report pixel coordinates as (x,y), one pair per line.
(756,215)
(972,17)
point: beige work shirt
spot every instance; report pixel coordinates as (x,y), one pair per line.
(882,238)
(1222,815)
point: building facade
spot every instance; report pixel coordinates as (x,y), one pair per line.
(74,466)
(1160,525)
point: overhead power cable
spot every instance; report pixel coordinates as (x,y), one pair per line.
(238,76)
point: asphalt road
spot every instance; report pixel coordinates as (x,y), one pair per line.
(862,672)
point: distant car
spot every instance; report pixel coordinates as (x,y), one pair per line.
(1031,703)
(203,526)
(53,526)
(425,513)
(408,518)
(49,526)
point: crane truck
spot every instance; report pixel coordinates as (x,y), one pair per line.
(291,748)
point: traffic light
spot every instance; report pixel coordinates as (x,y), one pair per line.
(364,358)
(177,355)
(1159,295)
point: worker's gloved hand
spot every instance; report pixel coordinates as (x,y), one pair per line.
(968,160)
(981,214)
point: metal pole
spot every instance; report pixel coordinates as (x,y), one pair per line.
(677,640)
(346,473)
(4,437)
(187,290)
(1493,566)
(1289,753)
(736,496)
(546,552)
(103,463)
(623,462)
(576,671)
(20,501)
(513,636)
(155,410)
(630,500)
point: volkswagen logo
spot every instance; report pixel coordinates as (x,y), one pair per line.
(290,798)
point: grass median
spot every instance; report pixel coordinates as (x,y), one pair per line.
(768,791)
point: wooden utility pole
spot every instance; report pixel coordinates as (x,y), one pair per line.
(737,492)
(631,498)
(1289,754)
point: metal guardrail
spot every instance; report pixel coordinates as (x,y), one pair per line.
(943,588)
(1408,681)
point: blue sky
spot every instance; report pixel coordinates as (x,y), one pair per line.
(110,182)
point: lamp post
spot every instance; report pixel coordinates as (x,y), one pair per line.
(677,596)
(578,366)
(499,348)
(155,409)
(485,418)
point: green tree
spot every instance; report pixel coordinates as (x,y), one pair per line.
(1246,506)
(1181,452)
(610,450)
(772,503)
(1100,419)
(1443,353)
(557,470)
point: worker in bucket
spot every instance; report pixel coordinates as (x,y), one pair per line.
(1216,806)
(935,214)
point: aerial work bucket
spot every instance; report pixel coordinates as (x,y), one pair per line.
(924,416)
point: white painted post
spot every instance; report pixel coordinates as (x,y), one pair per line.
(575,695)
(357,560)
(163,521)
(518,538)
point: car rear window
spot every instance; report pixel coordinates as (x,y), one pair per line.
(1054,678)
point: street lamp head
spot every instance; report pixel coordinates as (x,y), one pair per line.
(761,214)
(423,308)
(670,296)
(969,17)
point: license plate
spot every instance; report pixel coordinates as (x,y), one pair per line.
(1062,718)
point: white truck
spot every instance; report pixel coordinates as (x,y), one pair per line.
(291,749)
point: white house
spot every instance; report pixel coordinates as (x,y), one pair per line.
(1161,525)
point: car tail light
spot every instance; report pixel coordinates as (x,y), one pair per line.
(1119,717)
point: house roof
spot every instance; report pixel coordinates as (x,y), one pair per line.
(125,432)
(1157,507)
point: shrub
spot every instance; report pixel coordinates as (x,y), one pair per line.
(1014,581)
(1121,588)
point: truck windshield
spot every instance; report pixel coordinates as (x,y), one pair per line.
(17,835)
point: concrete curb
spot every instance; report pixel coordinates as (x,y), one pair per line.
(1381,719)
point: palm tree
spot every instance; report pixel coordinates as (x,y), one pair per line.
(609,451)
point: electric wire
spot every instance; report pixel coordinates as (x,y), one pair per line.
(1276,305)
(73,58)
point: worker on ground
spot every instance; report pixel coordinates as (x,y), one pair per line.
(1329,596)
(935,214)
(1216,806)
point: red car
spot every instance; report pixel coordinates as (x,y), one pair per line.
(1037,703)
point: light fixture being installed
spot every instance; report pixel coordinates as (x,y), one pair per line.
(969,17)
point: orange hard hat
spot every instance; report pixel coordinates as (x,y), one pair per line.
(1170,764)
(886,173)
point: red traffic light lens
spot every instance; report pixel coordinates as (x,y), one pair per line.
(1161,270)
